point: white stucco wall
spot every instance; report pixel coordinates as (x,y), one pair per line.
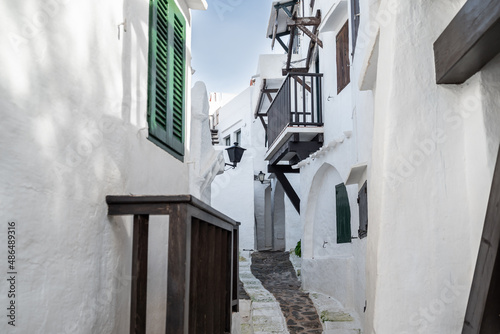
(337,270)
(73,101)
(433,155)
(233,191)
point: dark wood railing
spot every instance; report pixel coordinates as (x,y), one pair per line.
(202,282)
(297,103)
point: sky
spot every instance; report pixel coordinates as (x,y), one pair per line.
(227,41)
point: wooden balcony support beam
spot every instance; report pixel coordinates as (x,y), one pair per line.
(312,44)
(312,36)
(289,191)
(287,169)
(283,45)
(293,31)
(304,21)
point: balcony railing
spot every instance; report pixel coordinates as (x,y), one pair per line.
(202,284)
(298,103)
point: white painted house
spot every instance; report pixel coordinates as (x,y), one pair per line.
(391,118)
(96,100)
(268,219)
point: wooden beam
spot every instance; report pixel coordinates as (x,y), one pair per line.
(312,36)
(302,83)
(280,154)
(311,42)
(304,149)
(284,6)
(270,90)
(269,97)
(278,38)
(263,122)
(138,300)
(275,29)
(287,169)
(469,42)
(179,263)
(289,191)
(482,282)
(290,48)
(305,21)
(294,70)
(259,104)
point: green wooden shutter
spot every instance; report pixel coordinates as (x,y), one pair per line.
(177,59)
(343,214)
(166,82)
(363,211)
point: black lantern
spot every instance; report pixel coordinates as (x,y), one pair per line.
(235,153)
(261,177)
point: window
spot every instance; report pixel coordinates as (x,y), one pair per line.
(238,137)
(227,141)
(166,82)
(355,22)
(363,212)
(343,215)
(343,69)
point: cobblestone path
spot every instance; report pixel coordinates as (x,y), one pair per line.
(277,275)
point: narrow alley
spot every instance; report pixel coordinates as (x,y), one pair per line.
(277,304)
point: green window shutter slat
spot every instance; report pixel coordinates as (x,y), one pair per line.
(166,82)
(178,77)
(343,214)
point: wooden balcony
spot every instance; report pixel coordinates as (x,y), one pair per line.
(295,118)
(202,285)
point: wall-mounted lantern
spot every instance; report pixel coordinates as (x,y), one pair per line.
(235,153)
(262,178)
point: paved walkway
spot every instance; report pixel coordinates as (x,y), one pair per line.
(278,305)
(261,314)
(277,275)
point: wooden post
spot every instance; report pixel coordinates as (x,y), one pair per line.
(179,249)
(139,275)
(484,304)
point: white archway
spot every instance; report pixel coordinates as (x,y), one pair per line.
(320,216)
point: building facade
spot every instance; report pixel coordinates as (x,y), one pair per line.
(96,100)
(389,114)
(268,219)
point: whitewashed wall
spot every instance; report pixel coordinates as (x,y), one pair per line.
(433,155)
(233,191)
(337,270)
(73,105)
